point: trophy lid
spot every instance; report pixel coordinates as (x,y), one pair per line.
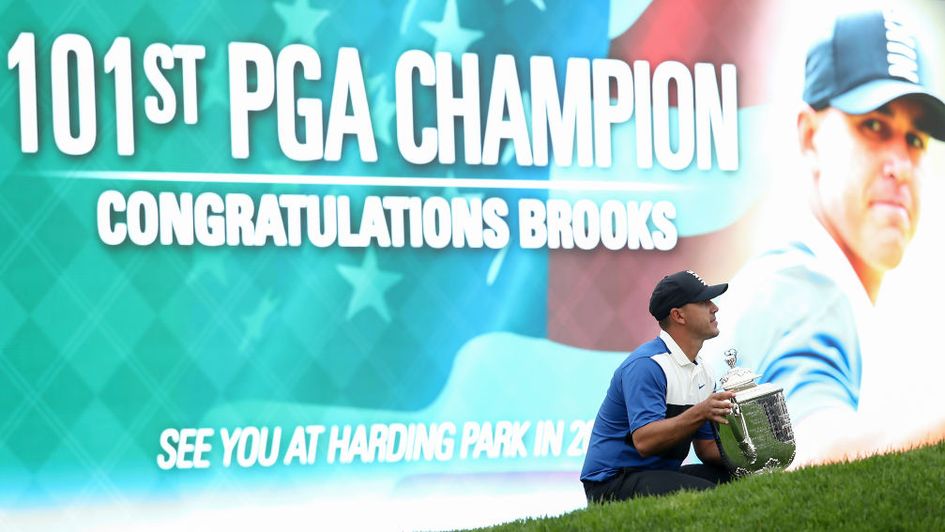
(736,378)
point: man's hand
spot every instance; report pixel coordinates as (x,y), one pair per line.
(655,437)
(715,407)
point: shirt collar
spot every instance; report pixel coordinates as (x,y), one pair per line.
(675,351)
(841,271)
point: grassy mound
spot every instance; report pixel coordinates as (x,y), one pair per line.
(904,491)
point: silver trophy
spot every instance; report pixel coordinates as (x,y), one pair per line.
(758,437)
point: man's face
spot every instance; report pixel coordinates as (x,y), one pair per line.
(867,178)
(700,319)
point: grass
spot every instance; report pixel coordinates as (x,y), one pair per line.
(904,491)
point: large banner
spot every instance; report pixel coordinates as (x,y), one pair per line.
(372,264)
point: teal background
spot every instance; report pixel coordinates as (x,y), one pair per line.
(104,347)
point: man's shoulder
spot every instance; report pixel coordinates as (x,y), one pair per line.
(792,260)
(648,349)
(786,300)
(791,271)
(645,353)
(784,293)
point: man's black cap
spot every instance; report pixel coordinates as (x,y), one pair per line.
(680,288)
(869,59)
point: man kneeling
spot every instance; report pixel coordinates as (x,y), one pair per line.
(659,402)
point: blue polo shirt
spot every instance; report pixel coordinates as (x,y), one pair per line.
(657,381)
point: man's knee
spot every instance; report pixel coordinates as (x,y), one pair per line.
(713,473)
(666,482)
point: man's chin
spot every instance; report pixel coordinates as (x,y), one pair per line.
(887,249)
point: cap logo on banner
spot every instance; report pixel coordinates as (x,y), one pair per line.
(901,46)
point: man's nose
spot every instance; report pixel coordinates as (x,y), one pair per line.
(898,163)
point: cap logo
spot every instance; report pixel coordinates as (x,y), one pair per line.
(696,275)
(901,47)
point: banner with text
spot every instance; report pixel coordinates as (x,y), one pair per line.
(374,263)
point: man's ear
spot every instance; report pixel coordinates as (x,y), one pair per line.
(677,316)
(808,120)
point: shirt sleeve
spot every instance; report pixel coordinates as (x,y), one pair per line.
(644,386)
(705,432)
(799,332)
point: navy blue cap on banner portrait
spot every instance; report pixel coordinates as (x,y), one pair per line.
(868,60)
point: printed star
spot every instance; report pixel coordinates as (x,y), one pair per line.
(255,321)
(300,20)
(211,263)
(540,4)
(496,266)
(369,284)
(405,18)
(450,36)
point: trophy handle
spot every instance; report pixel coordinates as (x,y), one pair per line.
(740,430)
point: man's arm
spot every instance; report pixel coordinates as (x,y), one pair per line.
(660,435)
(707,451)
(810,348)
